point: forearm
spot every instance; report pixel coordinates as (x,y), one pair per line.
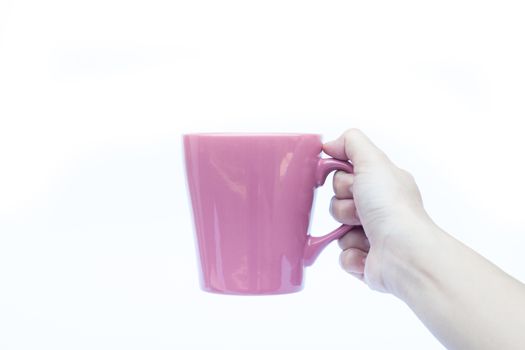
(466,301)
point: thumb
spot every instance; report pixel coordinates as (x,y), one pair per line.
(355,146)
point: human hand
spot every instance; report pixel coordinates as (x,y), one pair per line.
(384,203)
(465,301)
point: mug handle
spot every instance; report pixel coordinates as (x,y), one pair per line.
(314,245)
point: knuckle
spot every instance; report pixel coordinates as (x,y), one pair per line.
(341,183)
(352,132)
(332,205)
(341,242)
(344,242)
(337,180)
(407,175)
(337,209)
(338,189)
(344,259)
(337,175)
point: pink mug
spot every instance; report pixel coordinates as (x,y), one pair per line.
(251,196)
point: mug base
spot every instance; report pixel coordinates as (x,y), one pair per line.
(212,290)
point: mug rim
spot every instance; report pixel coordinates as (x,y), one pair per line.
(250,134)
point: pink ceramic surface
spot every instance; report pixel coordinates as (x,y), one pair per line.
(251,196)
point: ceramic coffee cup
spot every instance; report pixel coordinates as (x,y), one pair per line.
(252,196)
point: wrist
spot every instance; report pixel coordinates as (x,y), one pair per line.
(409,257)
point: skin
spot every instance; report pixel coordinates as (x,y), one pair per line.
(464,300)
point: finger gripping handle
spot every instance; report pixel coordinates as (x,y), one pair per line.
(314,245)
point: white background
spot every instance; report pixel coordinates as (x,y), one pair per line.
(96,242)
